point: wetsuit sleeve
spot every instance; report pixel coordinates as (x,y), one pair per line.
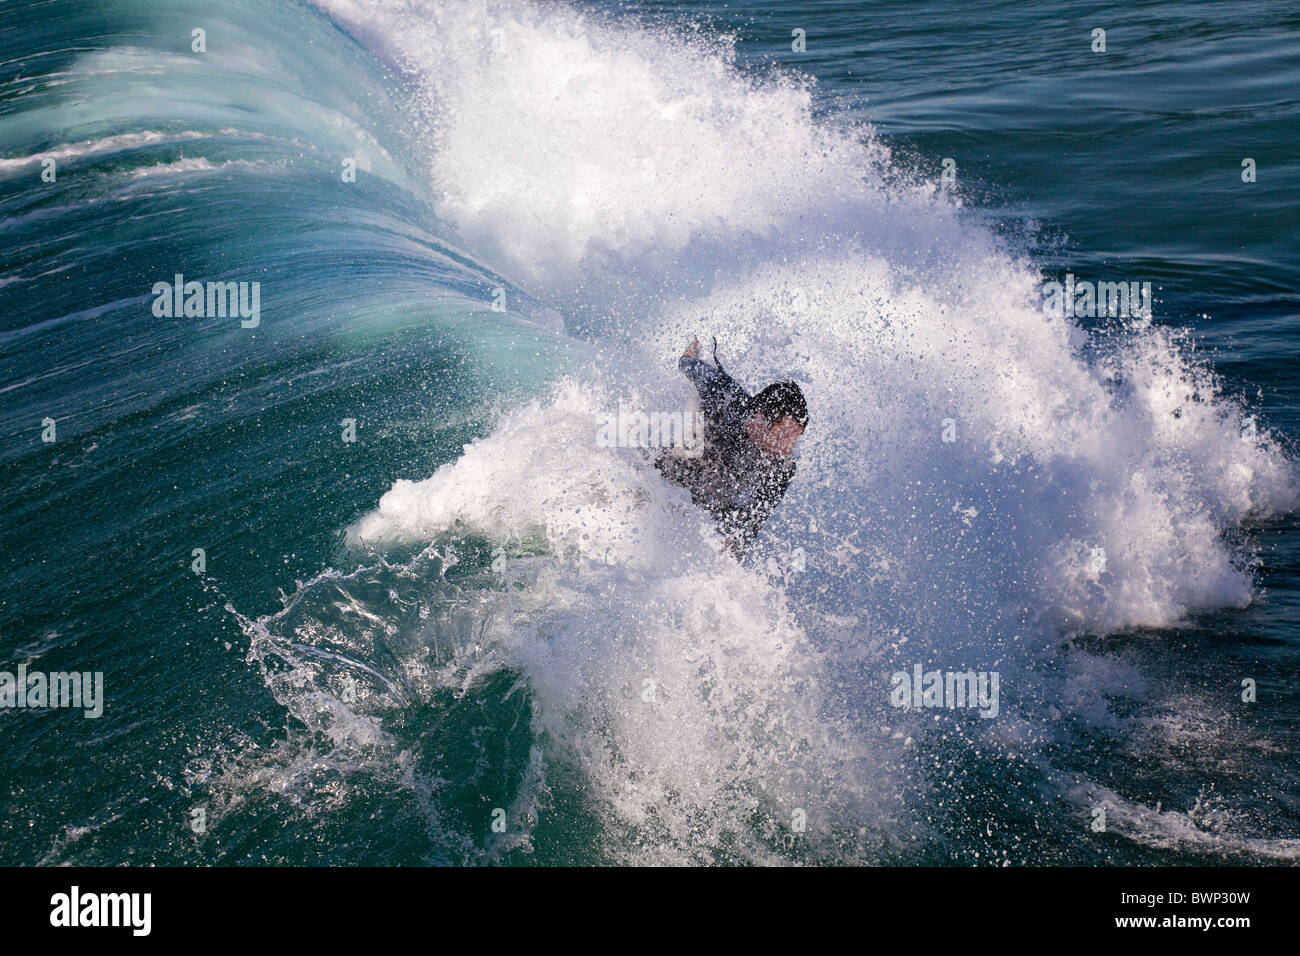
(720,395)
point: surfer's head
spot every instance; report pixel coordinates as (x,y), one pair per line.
(779,416)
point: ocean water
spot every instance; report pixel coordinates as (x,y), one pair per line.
(432,621)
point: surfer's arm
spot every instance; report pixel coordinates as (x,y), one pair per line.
(717,389)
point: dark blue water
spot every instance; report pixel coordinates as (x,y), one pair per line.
(531,631)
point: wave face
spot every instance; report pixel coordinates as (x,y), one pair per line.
(523,646)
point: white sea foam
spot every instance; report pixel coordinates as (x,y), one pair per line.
(1079,492)
(200,164)
(915,316)
(682,684)
(91,147)
(1207,826)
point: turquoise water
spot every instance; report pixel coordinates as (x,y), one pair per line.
(471,613)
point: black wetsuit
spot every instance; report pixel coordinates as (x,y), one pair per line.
(734,480)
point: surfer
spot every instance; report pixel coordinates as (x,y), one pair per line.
(748,457)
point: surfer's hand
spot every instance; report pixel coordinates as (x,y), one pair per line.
(692,350)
